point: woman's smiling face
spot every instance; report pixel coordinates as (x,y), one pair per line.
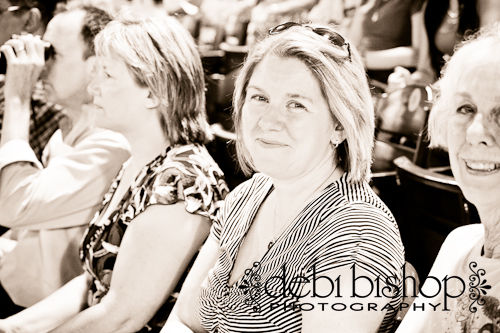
(286,121)
(473,133)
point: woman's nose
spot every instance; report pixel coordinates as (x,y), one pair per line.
(271,119)
(93,87)
(478,131)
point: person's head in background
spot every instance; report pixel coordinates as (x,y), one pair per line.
(150,69)
(71,33)
(465,119)
(331,117)
(25,16)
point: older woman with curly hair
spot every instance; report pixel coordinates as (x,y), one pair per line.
(464,280)
(301,245)
(149,87)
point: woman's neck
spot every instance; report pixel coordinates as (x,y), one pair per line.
(147,141)
(292,194)
(490,218)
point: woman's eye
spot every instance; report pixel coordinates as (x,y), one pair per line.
(296,106)
(258,98)
(466,109)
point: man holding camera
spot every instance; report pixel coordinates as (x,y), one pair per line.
(48,203)
(29,16)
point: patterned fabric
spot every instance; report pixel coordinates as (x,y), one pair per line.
(183,173)
(345,225)
(44,119)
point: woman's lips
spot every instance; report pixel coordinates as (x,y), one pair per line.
(482,167)
(270,143)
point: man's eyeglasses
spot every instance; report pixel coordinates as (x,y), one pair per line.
(334,38)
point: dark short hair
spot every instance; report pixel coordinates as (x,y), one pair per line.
(94,21)
(46,7)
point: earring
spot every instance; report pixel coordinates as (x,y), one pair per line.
(334,144)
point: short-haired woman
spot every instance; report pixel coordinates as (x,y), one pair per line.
(304,245)
(149,87)
(465,120)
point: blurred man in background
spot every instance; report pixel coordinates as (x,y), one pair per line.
(47,203)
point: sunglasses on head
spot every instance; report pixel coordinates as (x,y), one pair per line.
(334,37)
(12,9)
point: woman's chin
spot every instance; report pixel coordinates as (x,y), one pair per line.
(481,192)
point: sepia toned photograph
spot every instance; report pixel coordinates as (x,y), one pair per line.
(232,166)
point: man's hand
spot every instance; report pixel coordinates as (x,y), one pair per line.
(25,61)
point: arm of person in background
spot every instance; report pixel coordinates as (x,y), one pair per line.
(155,251)
(424,73)
(65,303)
(74,183)
(388,59)
(184,316)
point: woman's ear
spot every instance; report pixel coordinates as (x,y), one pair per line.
(152,101)
(338,135)
(33,21)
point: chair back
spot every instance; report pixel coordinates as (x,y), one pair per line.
(432,205)
(403,113)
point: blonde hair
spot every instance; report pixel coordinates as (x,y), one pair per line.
(343,84)
(162,56)
(478,48)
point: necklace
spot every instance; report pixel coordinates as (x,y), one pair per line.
(277,232)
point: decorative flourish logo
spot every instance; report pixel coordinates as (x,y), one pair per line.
(478,287)
(251,286)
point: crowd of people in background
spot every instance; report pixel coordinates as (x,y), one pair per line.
(114,217)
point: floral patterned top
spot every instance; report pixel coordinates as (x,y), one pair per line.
(186,173)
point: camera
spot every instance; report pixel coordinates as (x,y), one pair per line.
(49,52)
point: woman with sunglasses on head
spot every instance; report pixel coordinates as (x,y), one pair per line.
(148,86)
(304,245)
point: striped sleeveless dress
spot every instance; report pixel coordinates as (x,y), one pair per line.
(345,225)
